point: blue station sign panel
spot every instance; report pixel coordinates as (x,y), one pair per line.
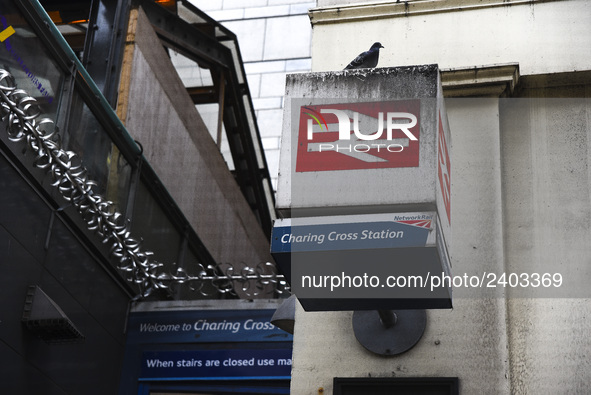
(204,326)
(364,262)
(228,364)
(202,344)
(349,233)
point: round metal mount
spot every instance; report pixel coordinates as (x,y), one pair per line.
(388,332)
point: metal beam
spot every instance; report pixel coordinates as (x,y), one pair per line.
(186,39)
(209,51)
(103,49)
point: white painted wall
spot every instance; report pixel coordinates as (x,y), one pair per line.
(547,205)
(521,203)
(469,341)
(544,37)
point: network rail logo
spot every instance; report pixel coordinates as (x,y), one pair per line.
(353,136)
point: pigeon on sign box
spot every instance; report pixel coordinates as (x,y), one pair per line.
(367,59)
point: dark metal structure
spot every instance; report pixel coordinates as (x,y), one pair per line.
(70,172)
(214,47)
(199,38)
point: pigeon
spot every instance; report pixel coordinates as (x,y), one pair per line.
(367,59)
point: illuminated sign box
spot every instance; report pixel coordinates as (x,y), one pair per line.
(360,141)
(364,142)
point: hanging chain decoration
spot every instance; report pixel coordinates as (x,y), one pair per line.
(70,177)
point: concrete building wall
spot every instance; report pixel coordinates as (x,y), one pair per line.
(543,36)
(275,39)
(520,196)
(546,198)
(38,246)
(160,114)
(470,341)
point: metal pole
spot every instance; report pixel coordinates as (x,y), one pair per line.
(388,318)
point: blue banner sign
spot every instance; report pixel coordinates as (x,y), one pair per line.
(352,232)
(204,326)
(216,364)
(358,262)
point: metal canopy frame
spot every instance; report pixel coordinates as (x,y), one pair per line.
(211,46)
(214,47)
(252,173)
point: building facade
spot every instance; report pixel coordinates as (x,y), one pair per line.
(516,79)
(154,199)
